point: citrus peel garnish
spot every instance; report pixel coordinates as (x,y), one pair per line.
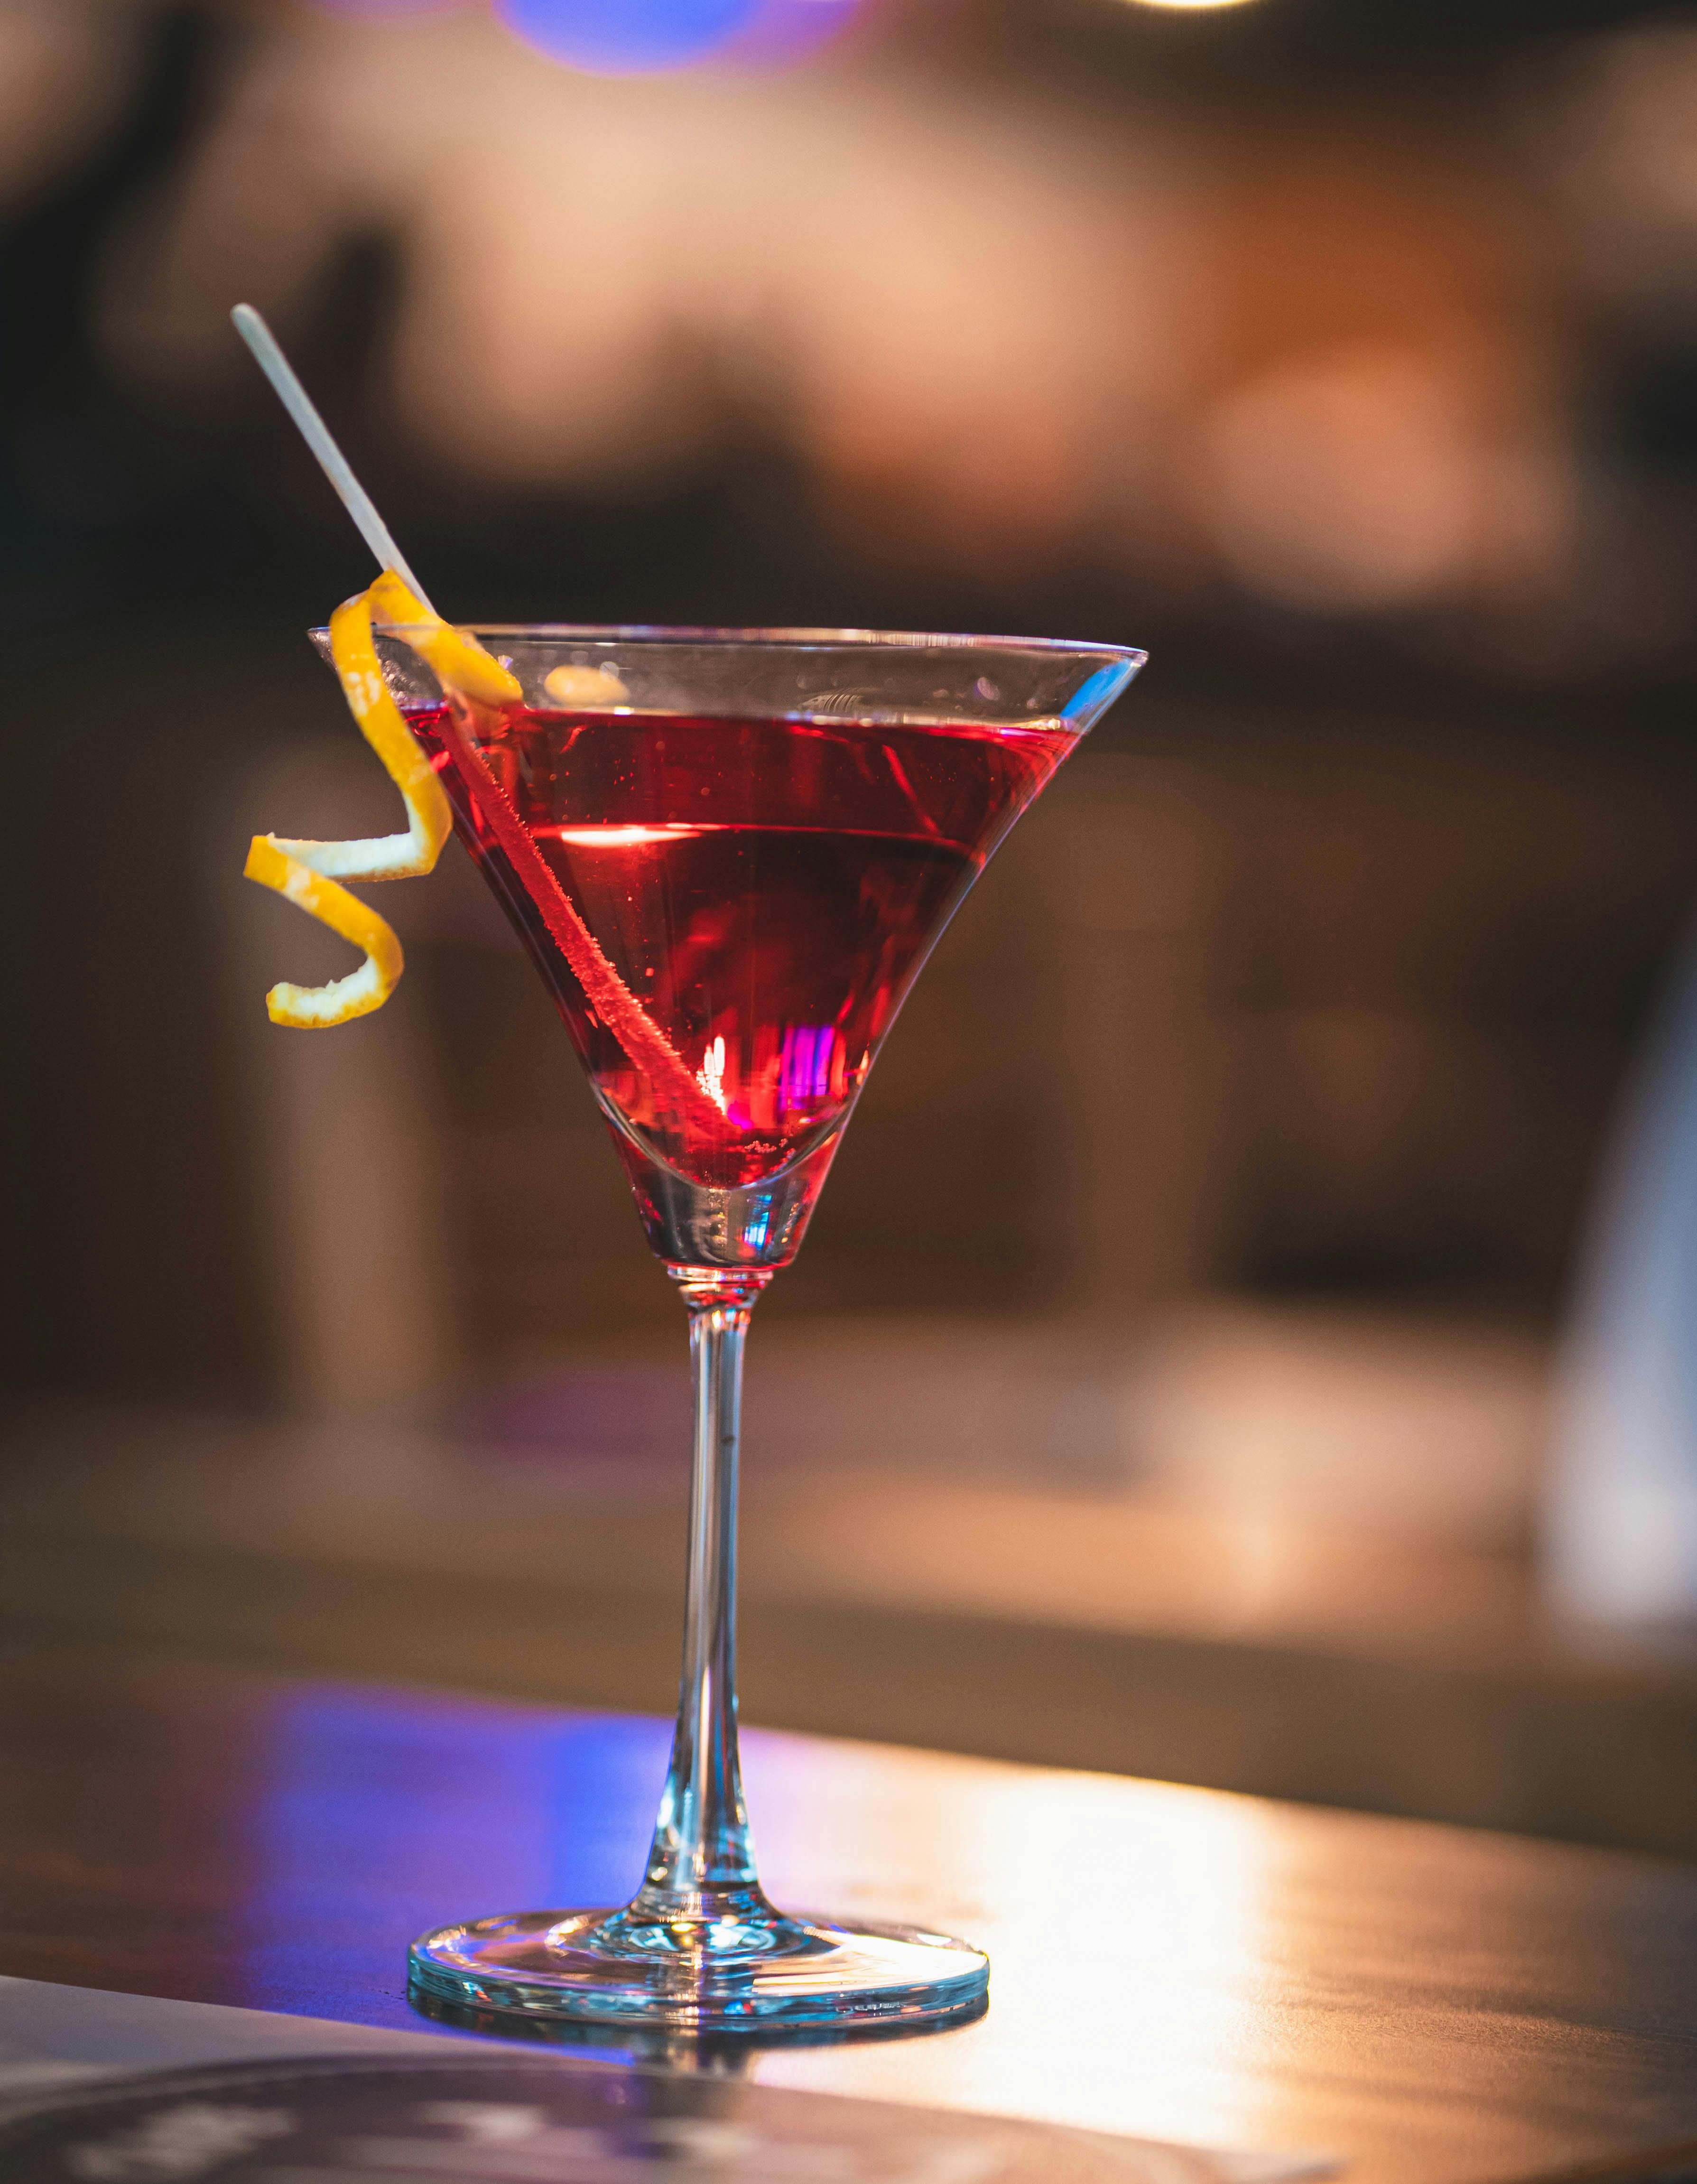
(308,874)
(316,1007)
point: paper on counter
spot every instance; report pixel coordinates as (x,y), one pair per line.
(99,2088)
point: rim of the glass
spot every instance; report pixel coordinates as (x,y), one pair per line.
(799,639)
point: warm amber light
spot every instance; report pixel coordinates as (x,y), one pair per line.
(1189,4)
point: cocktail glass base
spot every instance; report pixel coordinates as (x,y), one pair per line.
(753,1971)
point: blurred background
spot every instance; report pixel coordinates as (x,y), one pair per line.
(1244,1336)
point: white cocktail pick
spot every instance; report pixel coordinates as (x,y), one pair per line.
(317,435)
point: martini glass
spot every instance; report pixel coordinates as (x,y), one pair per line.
(728,852)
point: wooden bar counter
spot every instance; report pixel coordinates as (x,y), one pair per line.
(1419,2002)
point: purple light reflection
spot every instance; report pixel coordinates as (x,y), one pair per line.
(804,1068)
(785,30)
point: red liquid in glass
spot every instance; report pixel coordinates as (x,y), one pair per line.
(729,913)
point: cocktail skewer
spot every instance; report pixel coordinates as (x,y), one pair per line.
(317,435)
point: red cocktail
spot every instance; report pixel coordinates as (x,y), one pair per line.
(729,911)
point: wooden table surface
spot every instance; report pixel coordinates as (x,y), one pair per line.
(1420,2001)
(1227,1646)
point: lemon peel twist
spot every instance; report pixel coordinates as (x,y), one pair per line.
(310,874)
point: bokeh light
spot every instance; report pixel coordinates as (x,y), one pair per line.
(638,37)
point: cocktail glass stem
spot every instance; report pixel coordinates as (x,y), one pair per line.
(701,1865)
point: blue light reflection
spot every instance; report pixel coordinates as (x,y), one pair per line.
(423,1810)
(639,37)
(629,37)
